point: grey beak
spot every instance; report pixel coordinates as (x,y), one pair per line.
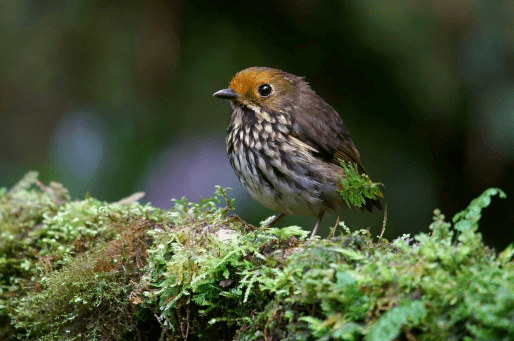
(226,94)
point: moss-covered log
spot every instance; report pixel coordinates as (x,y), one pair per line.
(86,270)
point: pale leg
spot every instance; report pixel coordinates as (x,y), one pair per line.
(320,217)
(275,220)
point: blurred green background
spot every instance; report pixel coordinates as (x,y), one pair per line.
(114,97)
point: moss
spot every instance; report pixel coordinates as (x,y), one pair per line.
(356,188)
(53,250)
(93,295)
(85,270)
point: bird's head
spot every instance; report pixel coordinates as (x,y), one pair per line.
(258,87)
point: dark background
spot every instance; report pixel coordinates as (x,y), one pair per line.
(114,97)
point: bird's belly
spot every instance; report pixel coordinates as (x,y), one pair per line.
(287,182)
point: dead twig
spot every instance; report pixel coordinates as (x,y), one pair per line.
(385,211)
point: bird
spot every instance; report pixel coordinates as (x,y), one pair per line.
(285,144)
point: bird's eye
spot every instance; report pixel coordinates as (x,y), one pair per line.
(265,90)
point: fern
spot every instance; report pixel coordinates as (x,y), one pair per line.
(468,219)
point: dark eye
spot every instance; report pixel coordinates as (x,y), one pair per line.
(265,90)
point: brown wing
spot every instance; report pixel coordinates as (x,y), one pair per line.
(320,126)
(348,154)
(317,124)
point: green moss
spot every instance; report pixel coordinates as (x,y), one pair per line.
(89,270)
(44,235)
(356,188)
(202,265)
(92,295)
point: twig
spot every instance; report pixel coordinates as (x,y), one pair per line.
(131,198)
(236,217)
(40,185)
(385,211)
(187,316)
(159,320)
(384,223)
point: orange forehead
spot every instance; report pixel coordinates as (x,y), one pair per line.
(251,78)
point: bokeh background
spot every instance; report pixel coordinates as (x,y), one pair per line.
(113,97)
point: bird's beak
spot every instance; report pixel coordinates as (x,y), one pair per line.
(226,94)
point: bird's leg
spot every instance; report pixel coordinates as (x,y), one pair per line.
(275,220)
(320,217)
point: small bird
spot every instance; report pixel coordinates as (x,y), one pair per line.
(284,143)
